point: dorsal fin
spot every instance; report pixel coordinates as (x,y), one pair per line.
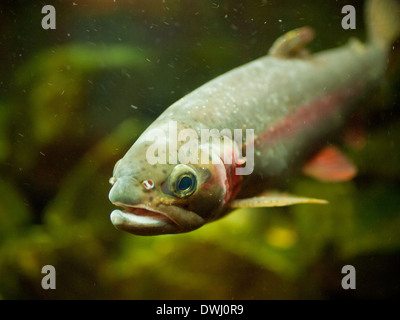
(292,44)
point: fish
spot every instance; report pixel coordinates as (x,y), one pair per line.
(291,104)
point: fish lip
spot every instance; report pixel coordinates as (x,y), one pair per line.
(129,209)
(151,221)
(142,220)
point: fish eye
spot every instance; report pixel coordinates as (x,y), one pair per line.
(185,184)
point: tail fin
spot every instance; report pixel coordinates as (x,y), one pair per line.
(383,21)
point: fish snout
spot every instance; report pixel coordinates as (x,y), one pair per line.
(125,190)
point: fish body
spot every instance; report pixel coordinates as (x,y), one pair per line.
(291,100)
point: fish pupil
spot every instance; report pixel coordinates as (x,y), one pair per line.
(185,183)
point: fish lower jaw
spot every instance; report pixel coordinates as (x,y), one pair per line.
(142,221)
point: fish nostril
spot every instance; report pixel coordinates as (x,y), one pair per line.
(148,184)
(112,180)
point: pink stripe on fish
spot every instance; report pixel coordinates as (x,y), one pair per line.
(307,116)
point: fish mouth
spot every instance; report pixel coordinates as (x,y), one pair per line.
(142,220)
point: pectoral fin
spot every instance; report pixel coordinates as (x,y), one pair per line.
(330,165)
(292,44)
(273,200)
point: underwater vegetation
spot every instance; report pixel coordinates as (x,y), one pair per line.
(74,99)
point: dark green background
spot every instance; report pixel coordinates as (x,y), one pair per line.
(73,100)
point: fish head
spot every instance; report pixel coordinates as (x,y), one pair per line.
(165,198)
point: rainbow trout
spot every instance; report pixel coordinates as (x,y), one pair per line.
(271,117)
